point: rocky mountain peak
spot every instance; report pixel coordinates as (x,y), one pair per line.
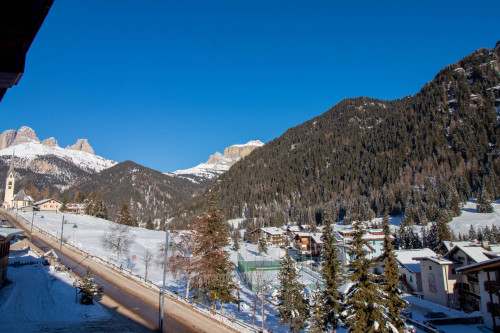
(82,145)
(50,142)
(240,151)
(25,134)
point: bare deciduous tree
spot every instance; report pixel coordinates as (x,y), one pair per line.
(177,263)
(147,259)
(117,238)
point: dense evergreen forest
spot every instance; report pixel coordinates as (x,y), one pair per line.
(420,156)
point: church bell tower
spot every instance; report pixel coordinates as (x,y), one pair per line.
(10,182)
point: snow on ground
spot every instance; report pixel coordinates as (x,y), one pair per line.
(30,150)
(87,236)
(39,299)
(90,230)
(419,307)
(470,216)
(235,222)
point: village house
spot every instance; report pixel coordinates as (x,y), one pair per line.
(273,236)
(48,205)
(75,208)
(21,200)
(6,235)
(441,283)
(488,278)
(308,244)
(409,269)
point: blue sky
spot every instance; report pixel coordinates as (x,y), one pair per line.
(167,83)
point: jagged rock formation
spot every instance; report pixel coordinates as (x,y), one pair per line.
(26,134)
(50,142)
(6,138)
(82,145)
(217,163)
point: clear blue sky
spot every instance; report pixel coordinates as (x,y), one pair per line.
(167,83)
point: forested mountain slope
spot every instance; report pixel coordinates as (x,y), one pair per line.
(148,193)
(421,155)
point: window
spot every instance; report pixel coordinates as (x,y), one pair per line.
(432,283)
(411,278)
(430,268)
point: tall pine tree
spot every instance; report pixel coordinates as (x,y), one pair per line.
(364,311)
(262,244)
(332,274)
(292,307)
(395,305)
(215,280)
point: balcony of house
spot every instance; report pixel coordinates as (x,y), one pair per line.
(493,287)
(465,292)
(472,278)
(496,308)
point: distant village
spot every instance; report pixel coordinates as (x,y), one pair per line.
(462,275)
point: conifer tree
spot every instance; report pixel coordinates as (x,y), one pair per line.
(472,233)
(89,291)
(332,274)
(395,305)
(292,307)
(262,244)
(125,217)
(444,233)
(484,202)
(236,240)
(215,280)
(364,312)
(150,224)
(63,205)
(317,312)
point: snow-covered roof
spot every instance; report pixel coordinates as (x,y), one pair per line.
(449,245)
(9,232)
(273,231)
(22,196)
(475,252)
(436,259)
(41,202)
(406,258)
(294,228)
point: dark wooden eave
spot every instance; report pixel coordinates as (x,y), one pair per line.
(20,21)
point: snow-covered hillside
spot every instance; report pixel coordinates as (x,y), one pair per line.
(218,163)
(27,152)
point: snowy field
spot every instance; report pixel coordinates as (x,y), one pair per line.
(87,237)
(90,231)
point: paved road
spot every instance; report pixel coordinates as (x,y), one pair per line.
(128,297)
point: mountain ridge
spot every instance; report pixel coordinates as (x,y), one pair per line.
(217,163)
(421,155)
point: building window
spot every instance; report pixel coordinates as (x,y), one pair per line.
(430,268)
(432,283)
(411,278)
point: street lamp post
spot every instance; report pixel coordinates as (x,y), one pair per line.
(32,218)
(62,230)
(186,254)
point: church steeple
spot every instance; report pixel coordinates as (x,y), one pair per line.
(10,183)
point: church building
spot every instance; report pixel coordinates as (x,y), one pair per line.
(20,199)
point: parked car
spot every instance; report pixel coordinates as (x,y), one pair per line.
(434,315)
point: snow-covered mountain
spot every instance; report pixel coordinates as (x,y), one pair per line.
(28,149)
(217,163)
(44,164)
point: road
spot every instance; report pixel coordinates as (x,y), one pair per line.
(127,296)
